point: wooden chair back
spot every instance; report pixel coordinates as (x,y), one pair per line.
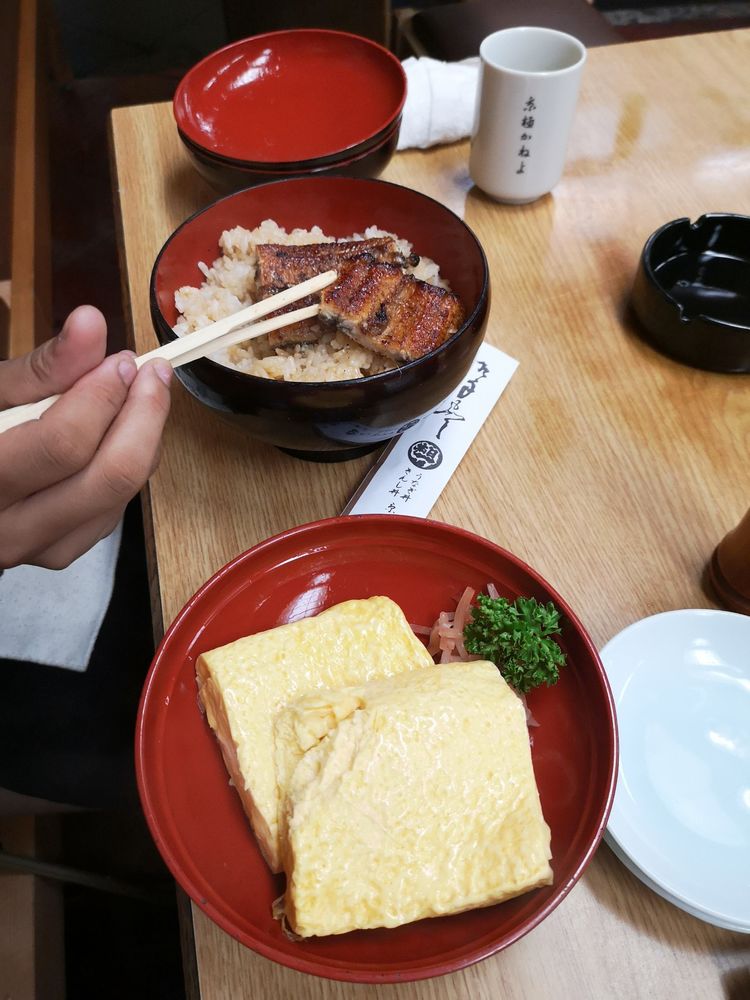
(25,257)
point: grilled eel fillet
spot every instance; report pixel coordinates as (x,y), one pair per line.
(282,265)
(389,311)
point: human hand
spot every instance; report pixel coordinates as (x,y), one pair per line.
(66,478)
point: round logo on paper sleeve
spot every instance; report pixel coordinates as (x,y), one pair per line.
(425,455)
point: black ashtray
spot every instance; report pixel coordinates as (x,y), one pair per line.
(692,291)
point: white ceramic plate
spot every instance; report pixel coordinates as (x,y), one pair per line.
(632,867)
(681,683)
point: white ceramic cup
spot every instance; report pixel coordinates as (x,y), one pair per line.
(528,88)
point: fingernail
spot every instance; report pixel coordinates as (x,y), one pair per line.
(127,370)
(164,370)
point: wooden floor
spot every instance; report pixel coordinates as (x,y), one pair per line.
(62,940)
(32,959)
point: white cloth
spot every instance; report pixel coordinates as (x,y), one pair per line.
(54,616)
(440,100)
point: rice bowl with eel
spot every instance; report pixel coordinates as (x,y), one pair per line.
(360,407)
(233,281)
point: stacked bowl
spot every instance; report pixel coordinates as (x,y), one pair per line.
(290,104)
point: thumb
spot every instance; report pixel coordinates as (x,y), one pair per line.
(54,366)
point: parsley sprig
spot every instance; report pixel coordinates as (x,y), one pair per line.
(516,637)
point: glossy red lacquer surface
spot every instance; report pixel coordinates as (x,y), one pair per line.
(290,96)
(195,815)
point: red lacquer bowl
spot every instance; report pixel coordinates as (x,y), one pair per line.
(329,420)
(303,98)
(195,815)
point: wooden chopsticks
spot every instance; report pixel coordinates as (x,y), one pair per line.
(227,332)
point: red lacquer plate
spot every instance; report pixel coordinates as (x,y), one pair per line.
(289,97)
(195,815)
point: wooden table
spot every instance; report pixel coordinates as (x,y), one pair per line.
(611,469)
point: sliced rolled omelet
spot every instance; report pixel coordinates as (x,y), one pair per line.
(243,685)
(407,798)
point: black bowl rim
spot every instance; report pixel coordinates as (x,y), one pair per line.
(335,155)
(649,270)
(342,158)
(382,377)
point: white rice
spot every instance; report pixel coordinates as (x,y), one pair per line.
(230,284)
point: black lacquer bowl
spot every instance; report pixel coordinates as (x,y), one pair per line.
(692,291)
(329,420)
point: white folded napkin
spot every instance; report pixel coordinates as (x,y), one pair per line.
(440,100)
(54,616)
